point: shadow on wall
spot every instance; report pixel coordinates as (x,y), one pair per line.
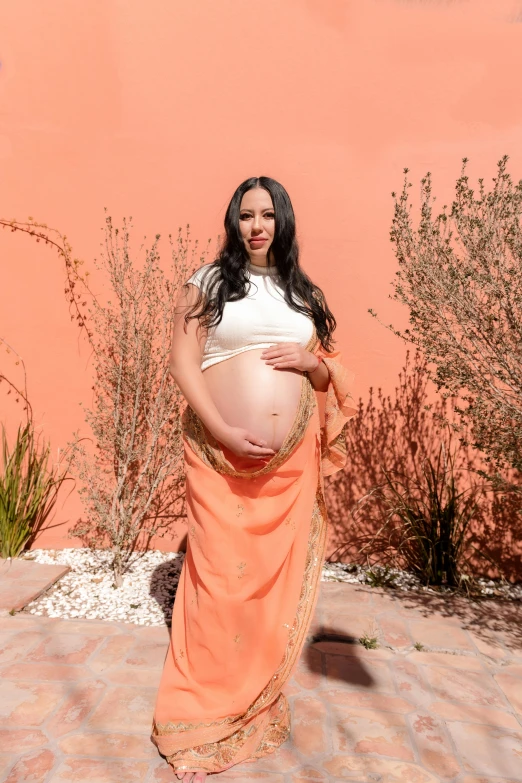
(398,434)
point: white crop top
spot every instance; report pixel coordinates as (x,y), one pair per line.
(260,320)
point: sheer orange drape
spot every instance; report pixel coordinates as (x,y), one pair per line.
(256,539)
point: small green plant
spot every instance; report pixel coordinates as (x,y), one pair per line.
(427,520)
(418,646)
(370,642)
(381,576)
(29,488)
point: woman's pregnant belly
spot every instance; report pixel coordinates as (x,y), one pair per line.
(251,394)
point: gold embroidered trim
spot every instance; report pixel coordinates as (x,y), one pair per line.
(277,731)
(305,606)
(224,753)
(212,756)
(163,729)
(338,413)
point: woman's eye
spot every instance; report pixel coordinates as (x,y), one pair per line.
(270,215)
(244,216)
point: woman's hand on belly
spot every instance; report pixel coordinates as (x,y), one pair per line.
(253,398)
(243,443)
(290,356)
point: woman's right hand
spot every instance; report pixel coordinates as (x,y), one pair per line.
(243,443)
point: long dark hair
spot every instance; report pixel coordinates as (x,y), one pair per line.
(228,281)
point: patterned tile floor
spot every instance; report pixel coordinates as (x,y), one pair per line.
(76,697)
(23,580)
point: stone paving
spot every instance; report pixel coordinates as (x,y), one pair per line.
(77,696)
(22,581)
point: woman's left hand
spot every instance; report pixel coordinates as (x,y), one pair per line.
(286,356)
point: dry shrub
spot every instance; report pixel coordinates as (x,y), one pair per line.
(402,435)
(460,276)
(133,482)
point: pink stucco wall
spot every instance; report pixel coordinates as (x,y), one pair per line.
(158,110)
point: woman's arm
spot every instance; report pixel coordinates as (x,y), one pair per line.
(185,368)
(320,377)
(185,362)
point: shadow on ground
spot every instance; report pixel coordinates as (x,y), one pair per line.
(164,583)
(484,617)
(354,673)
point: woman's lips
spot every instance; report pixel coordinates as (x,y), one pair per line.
(257,241)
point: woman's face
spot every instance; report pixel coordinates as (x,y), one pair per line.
(257,224)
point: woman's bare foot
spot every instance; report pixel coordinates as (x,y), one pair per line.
(192,777)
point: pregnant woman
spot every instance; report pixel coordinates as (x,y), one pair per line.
(252,342)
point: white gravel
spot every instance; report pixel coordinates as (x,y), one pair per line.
(87,591)
(146,597)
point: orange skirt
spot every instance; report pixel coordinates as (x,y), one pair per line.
(246,595)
